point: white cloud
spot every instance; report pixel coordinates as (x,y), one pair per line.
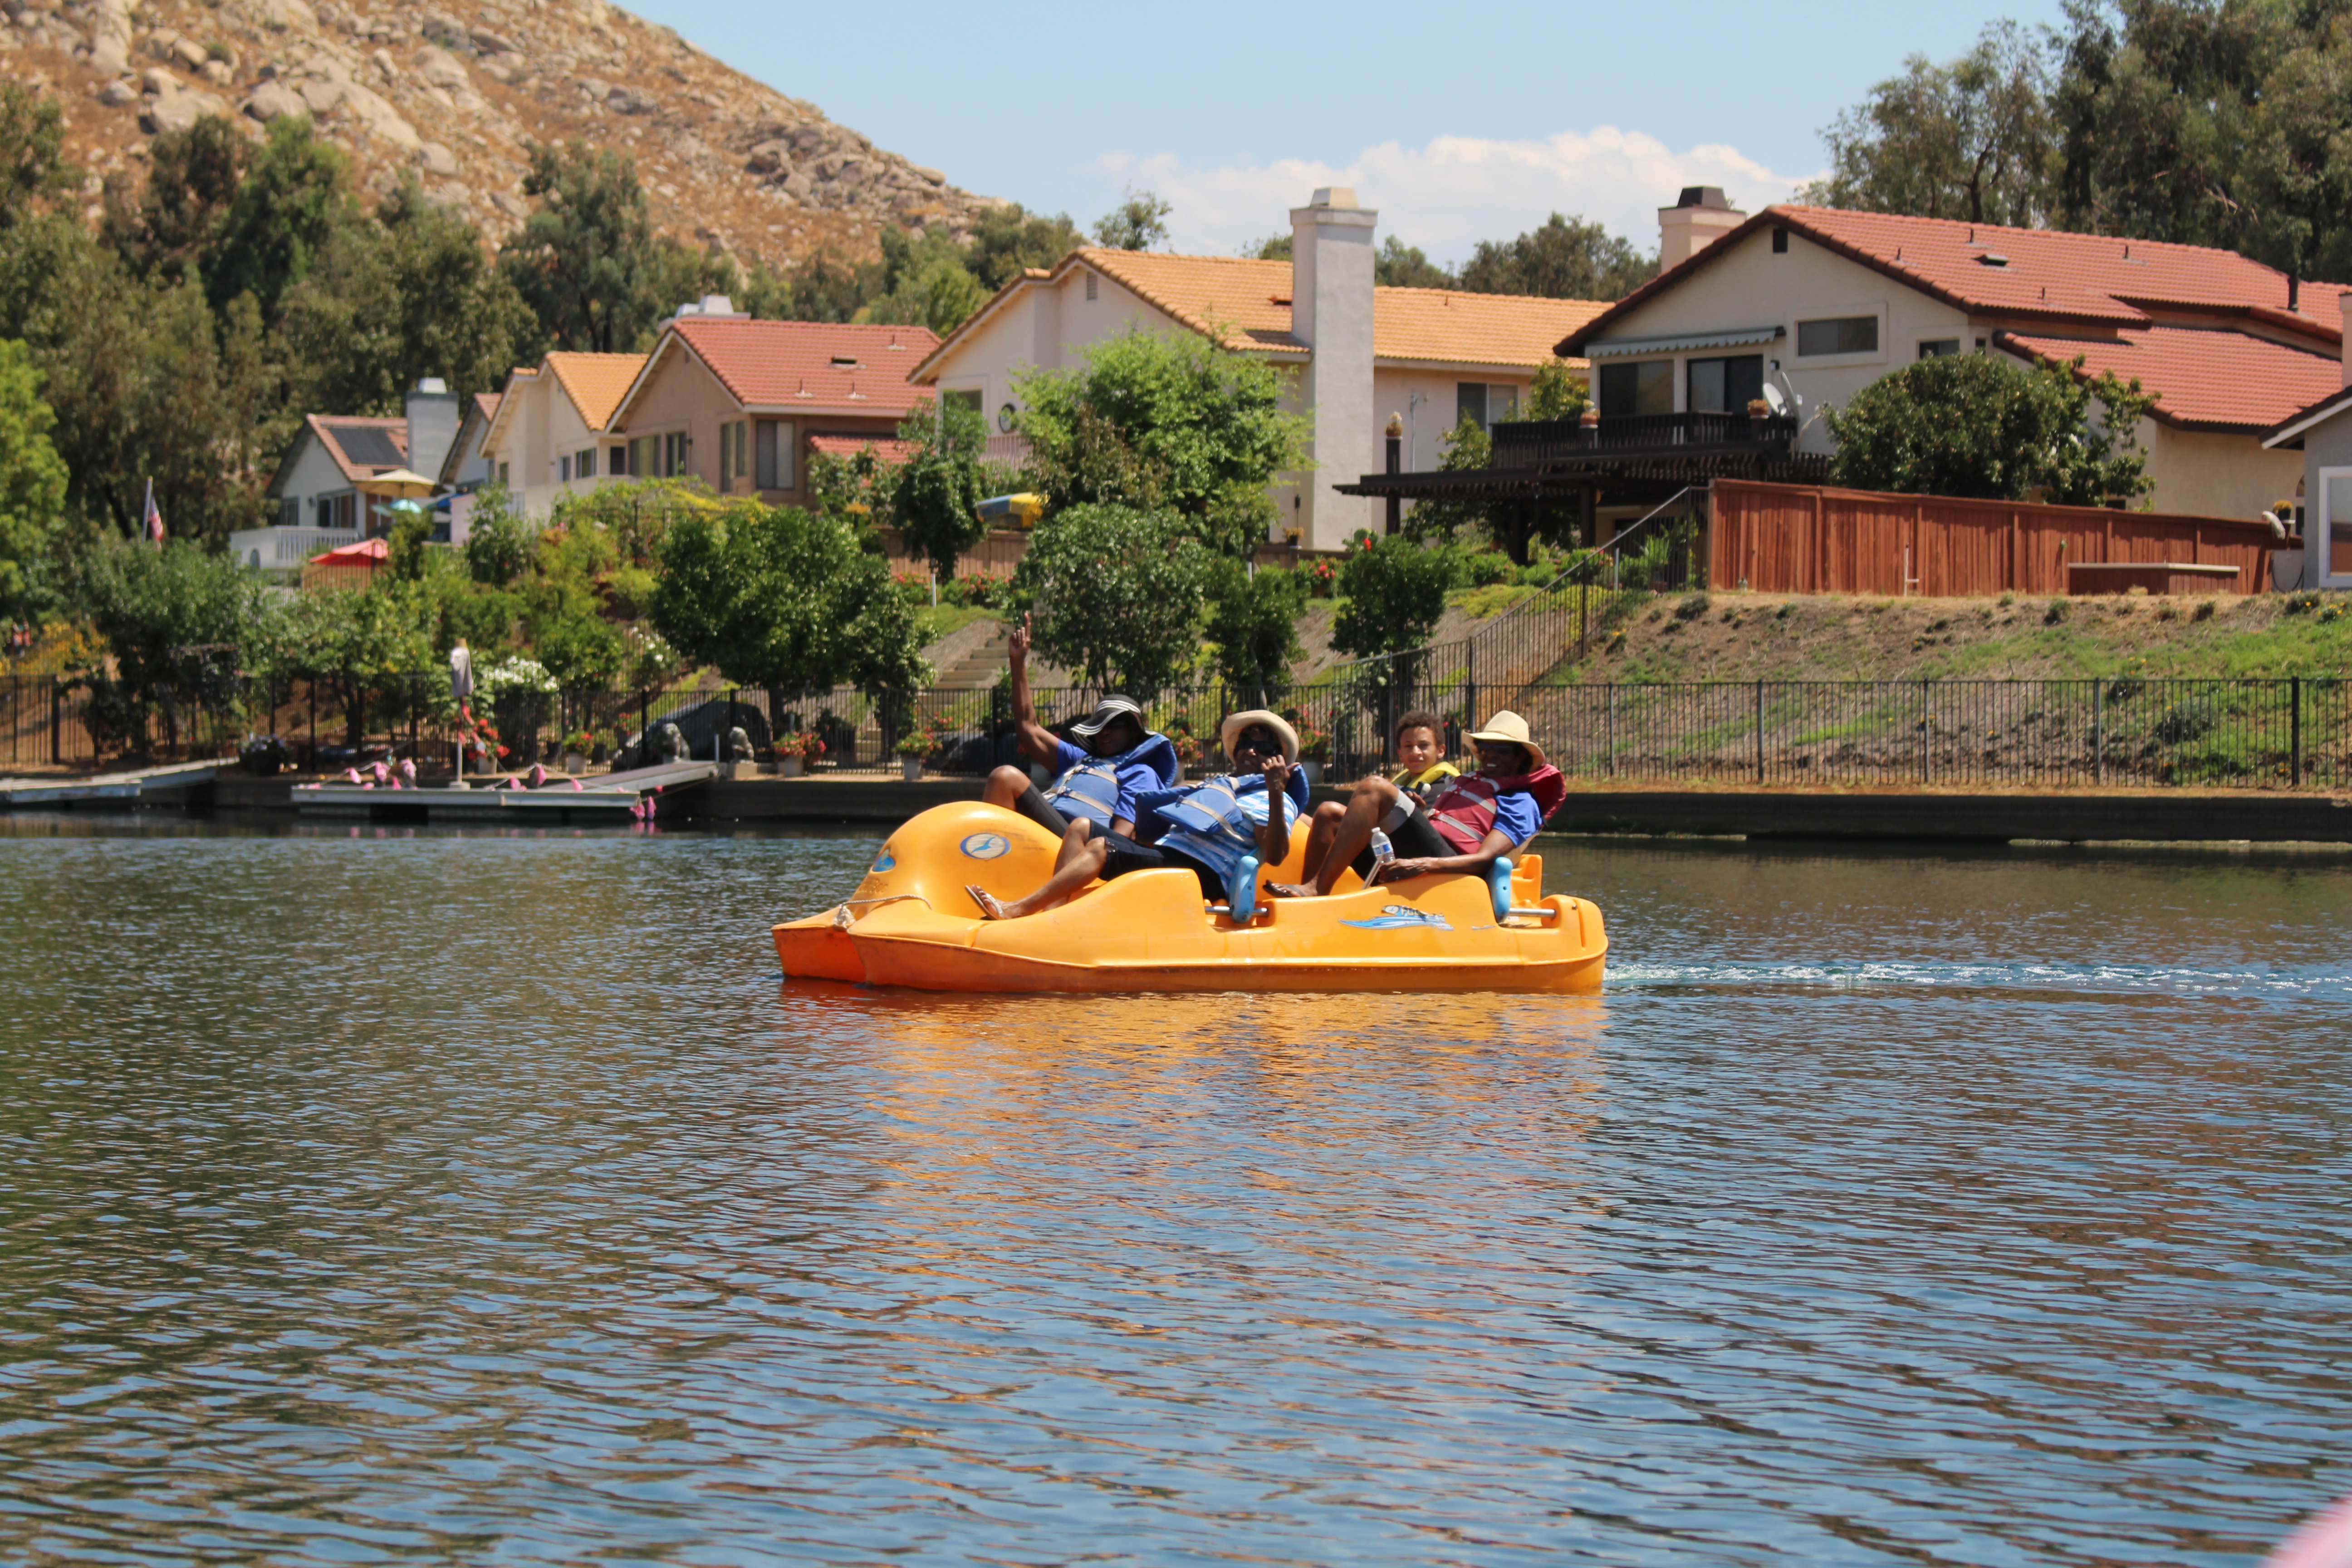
(1458,190)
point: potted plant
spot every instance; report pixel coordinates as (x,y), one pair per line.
(796,752)
(576,751)
(912,748)
(1314,746)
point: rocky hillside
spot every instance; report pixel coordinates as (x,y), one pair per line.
(454,91)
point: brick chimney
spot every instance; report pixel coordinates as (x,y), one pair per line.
(1331,312)
(1698,218)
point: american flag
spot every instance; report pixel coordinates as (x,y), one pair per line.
(152,519)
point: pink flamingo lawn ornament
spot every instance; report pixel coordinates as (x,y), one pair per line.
(2324,1541)
(642,808)
(407,774)
(382,775)
(538,776)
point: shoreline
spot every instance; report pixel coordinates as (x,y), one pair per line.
(1683,810)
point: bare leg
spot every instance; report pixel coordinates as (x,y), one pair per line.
(1004,786)
(1371,802)
(1320,830)
(1073,869)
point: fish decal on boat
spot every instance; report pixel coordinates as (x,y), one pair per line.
(883,862)
(986,846)
(1403,917)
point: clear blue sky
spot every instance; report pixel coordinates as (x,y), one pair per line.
(1457,122)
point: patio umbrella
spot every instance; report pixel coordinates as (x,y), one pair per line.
(398,484)
(1021,509)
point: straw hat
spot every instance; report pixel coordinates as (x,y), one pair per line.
(1231,730)
(1506,725)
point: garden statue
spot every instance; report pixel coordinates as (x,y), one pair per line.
(738,745)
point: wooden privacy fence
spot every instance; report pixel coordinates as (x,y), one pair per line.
(1803,539)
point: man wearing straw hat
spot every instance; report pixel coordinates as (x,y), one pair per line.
(1208,829)
(1476,820)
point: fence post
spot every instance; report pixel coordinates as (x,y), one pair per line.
(1584,618)
(1612,729)
(56,722)
(1926,733)
(1470,683)
(1759,732)
(2294,730)
(2098,731)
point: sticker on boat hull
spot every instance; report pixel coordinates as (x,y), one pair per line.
(986,846)
(1403,917)
(884,861)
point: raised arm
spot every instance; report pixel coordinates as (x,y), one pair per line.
(1035,739)
(1274,834)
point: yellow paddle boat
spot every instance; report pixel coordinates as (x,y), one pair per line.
(912,922)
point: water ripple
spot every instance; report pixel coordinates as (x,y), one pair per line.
(403,1196)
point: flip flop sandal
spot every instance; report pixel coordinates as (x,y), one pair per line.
(989,908)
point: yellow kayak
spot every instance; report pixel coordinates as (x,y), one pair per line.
(910,922)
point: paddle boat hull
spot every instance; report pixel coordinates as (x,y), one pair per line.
(910,922)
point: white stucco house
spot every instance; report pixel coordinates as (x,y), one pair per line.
(1361,352)
(315,489)
(1816,303)
(551,432)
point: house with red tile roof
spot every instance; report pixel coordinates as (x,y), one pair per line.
(1806,306)
(1360,352)
(551,432)
(743,404)
(2320,434)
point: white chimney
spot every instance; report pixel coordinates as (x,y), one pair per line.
(1331,314)
(1698,218)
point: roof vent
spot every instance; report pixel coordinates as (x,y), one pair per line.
(1992,258)
(844,362)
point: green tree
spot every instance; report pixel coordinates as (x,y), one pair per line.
(589,261)
(1115,594)
(1395,592)
(1566,259)
(784,599)
(1970,139)
(32,167)
(935,494)
(32,478)
(407,295)
(1254,622)
(1137,223)
(497,542)
(925,283)
(1009,238)
(293,198)
(405,546)
(175,621)
(171,222)
(1395,264)
(1974,426)
(363,649)
(1153,421)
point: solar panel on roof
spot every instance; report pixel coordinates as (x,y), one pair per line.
(367,446)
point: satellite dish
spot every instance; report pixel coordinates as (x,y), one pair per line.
(1775,401)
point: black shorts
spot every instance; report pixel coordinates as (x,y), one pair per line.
(1033,805)
(1414,839)
(1124,855)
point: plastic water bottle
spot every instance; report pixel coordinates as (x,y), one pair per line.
(1384,853)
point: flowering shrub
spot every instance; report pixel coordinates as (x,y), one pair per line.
(975,590)
(805,744)
(1322,579)
(1313,743)
(512,673)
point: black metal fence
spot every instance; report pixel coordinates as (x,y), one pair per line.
(2278,735)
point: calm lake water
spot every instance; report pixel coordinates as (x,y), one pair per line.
(395,1195)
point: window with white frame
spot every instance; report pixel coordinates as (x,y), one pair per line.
(563,469)
(773,466)
(2335,532)
(674,446)
(583,464)
(1484,402)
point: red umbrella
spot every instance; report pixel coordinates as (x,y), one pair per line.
(366,552)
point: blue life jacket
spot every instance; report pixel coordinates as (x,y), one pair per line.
(1090,789)
(1216,821)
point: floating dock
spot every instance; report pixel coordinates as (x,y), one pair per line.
(613,799)
(173,784)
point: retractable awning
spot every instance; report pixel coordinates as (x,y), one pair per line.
(1731,338)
